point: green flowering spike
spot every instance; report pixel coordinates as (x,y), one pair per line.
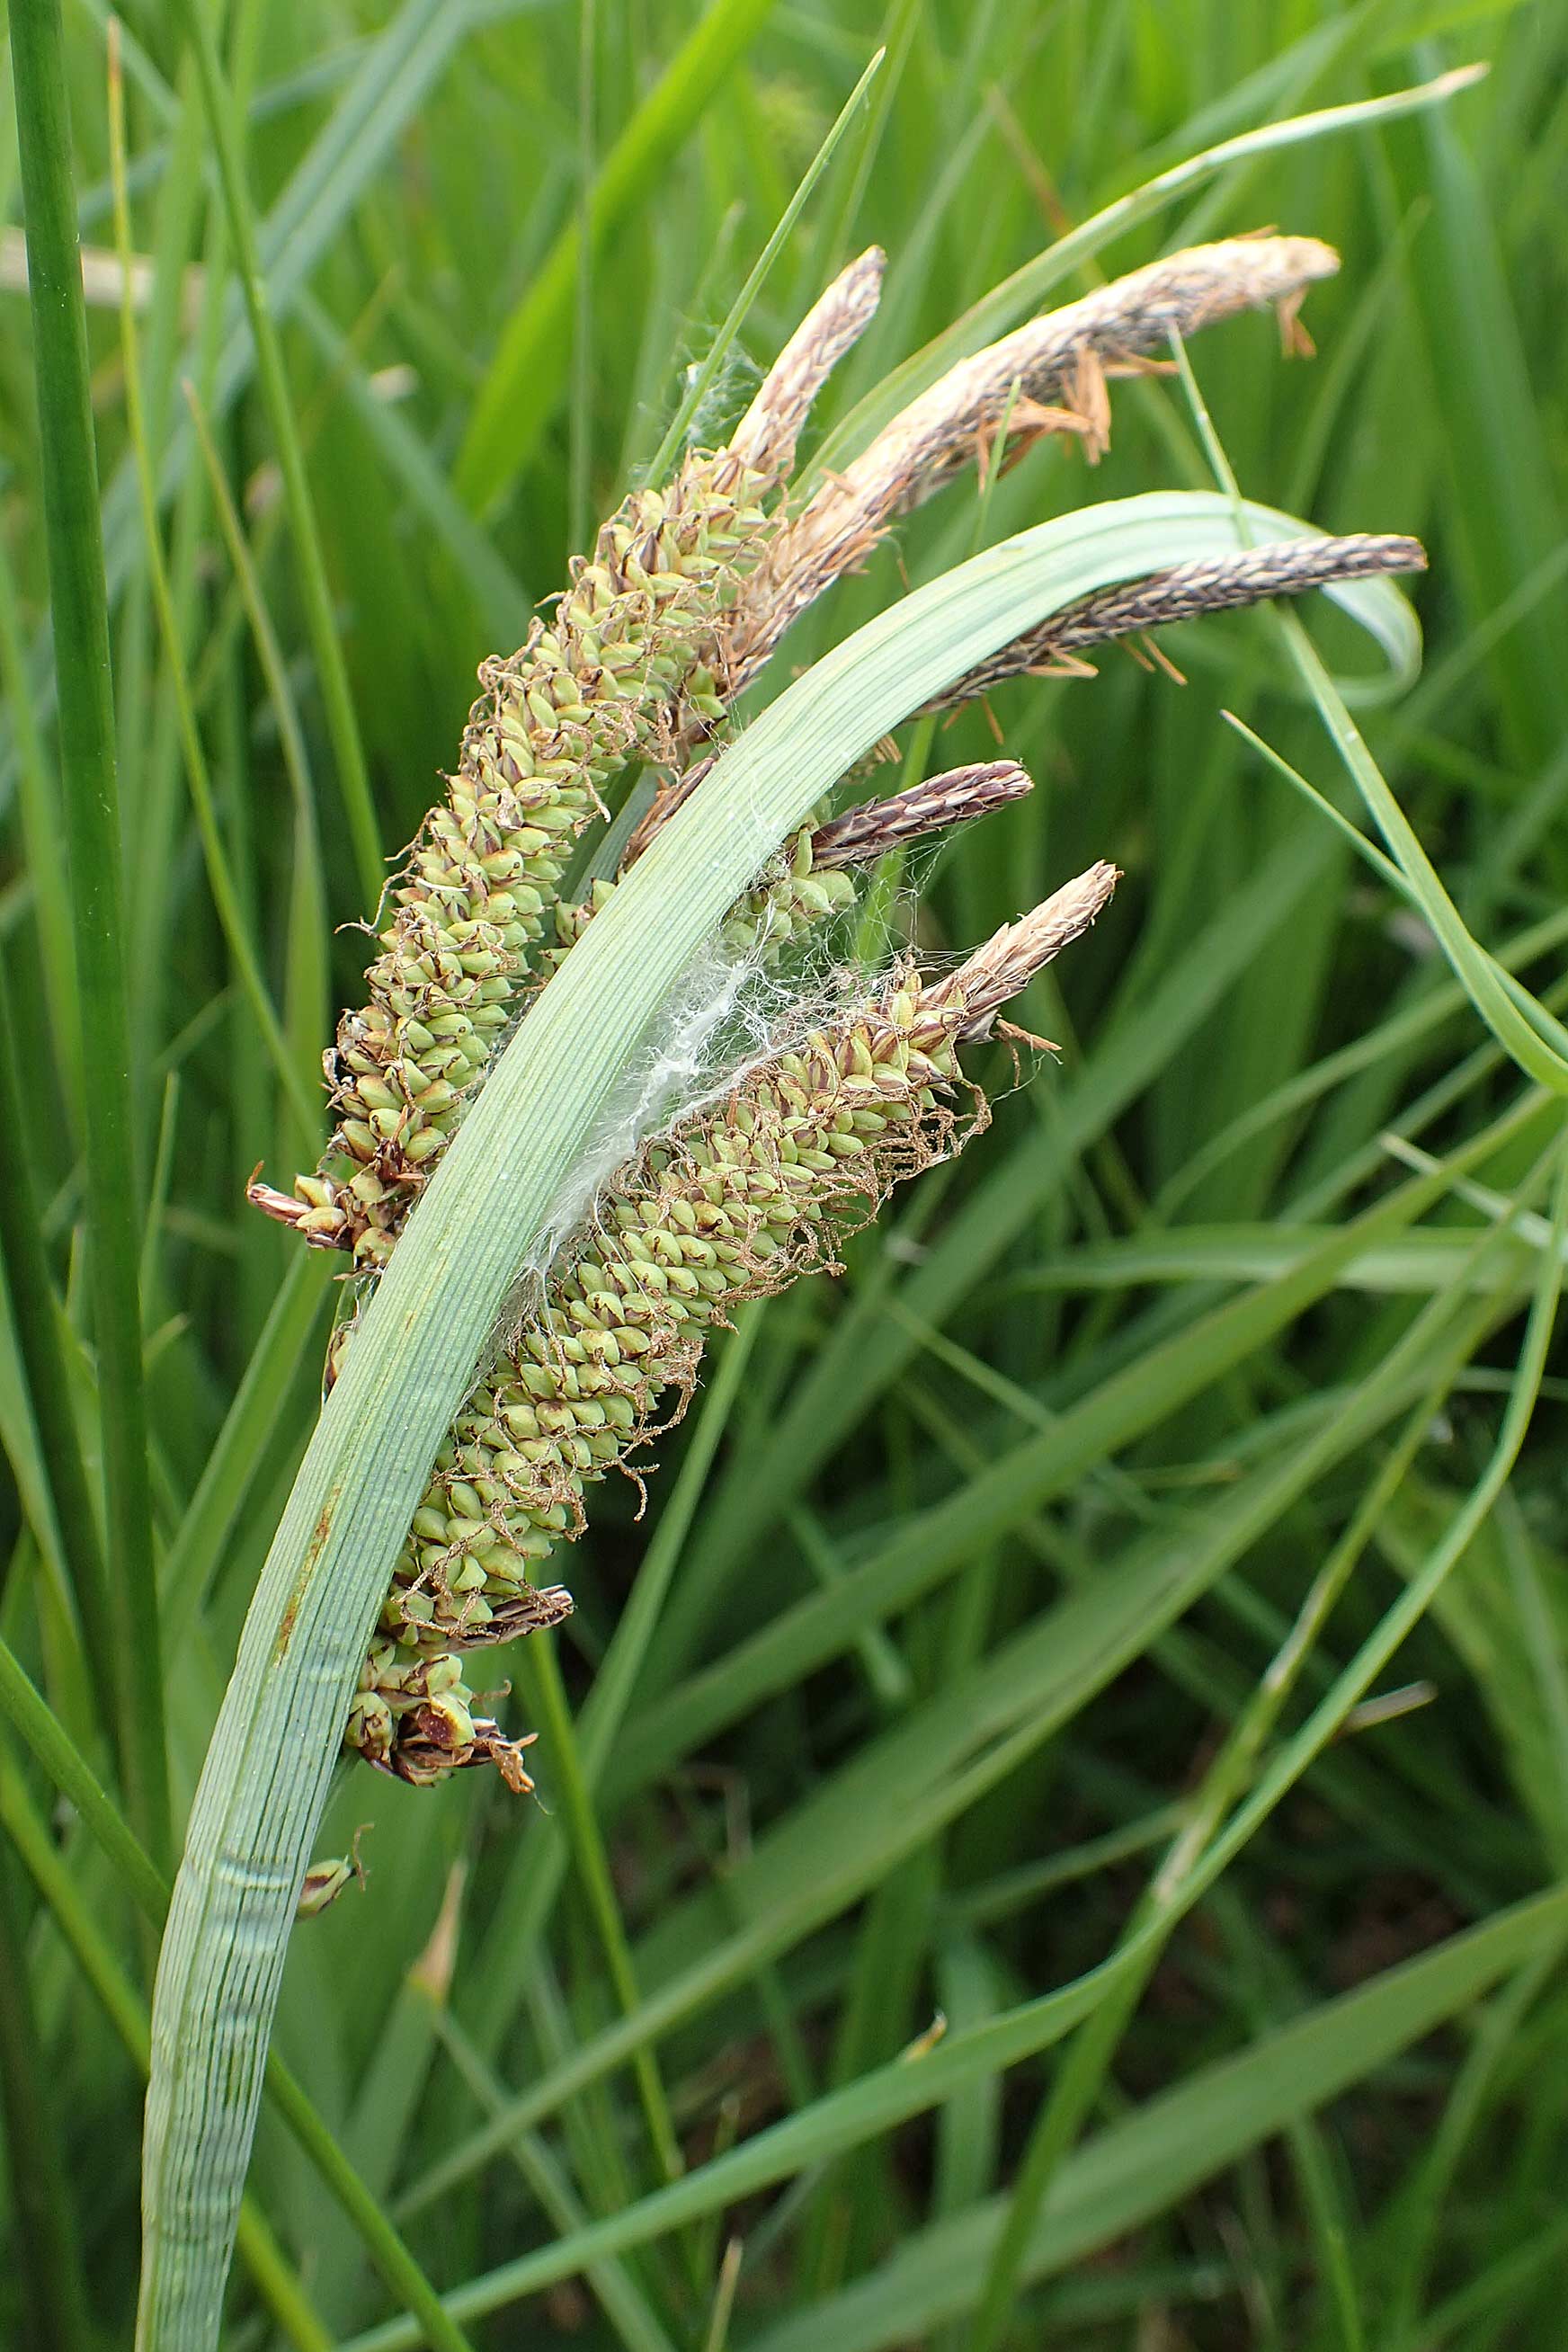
(732,1206)
(789,898)
(619,673)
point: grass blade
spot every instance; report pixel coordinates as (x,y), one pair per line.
(79,603)
(34,1315)
(707,374)
(528,372)
(834,1846)
(225,895)
(844,2119)
(1021,294)
(1462,1967)
(294,1323)
(1138,2167)
(1043,1467)
(53,2290)
(36,808)
(331,671)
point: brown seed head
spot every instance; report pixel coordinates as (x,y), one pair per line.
(1211,584)
(864,834)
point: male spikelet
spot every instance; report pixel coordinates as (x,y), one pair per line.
(1047,376)
(625,668)
(732,1206)
(810,879)
(1182,592)
(1063,356)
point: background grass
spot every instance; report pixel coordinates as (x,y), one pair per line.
(974,1563)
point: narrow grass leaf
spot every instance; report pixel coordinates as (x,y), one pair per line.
(220,878)
(1173,2144)
(33,1315)
(890,2094)
(1021,294)
(528,372)
(930,1767)
(69,471)
(331,671)
(47,2236)
(706,374)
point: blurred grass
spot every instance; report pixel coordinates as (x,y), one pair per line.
(965,1570)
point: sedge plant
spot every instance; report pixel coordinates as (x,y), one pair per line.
(1049,1808)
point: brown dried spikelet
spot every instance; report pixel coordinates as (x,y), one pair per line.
(1058,355)
(1047,375)
(1182,592)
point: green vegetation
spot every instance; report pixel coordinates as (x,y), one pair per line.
(1052,1822)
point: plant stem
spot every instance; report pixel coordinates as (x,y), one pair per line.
(35,810)
(593,1862)
(519,390)
(299,1093)
(1080,2076)
(68,470)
